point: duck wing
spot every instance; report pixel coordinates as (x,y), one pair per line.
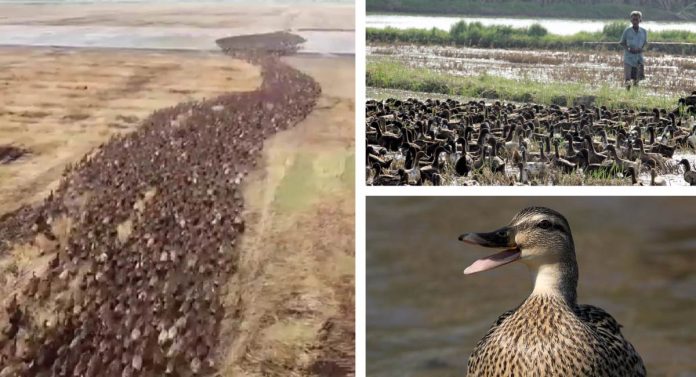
(476,360)
(608,331)
(598,319)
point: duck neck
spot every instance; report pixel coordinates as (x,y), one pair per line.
(557,279)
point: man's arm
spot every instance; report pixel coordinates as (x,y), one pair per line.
(644,43)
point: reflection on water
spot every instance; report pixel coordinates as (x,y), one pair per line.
(554,26)
(637,259)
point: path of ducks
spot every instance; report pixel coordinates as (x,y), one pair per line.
(412,142)
(149,304)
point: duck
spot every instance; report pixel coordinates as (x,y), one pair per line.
(691,140)
(623,164)
(689,175)
(463,163)
(602,170)
(561,163)
(631,171)
(656,180)
(523,179)
(594,156)
(656,158)
(549,333)
(475,135)
(536,169)
(381,179)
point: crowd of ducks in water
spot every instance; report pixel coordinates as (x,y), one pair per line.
(145,302)
(414,142)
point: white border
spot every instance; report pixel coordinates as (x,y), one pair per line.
(361,190)
(529,190)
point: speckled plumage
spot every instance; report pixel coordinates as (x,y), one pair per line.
(549,334)
(546,337)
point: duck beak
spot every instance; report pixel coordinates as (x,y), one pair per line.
(501,238)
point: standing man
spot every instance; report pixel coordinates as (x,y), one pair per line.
(633,40)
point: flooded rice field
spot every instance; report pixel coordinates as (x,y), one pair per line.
(469,143)
(554,26)
(665,74)
(636,260)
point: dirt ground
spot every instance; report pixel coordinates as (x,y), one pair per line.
(59,103)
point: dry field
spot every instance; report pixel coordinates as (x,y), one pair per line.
(60,103)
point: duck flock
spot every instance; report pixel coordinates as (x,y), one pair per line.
(448,142)
(145,302)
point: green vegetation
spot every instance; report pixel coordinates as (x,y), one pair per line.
(587,9)
(536,36)
(385,73)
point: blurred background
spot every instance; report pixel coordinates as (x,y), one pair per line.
(637,260)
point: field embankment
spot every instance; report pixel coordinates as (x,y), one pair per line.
(390,74)
(656,10)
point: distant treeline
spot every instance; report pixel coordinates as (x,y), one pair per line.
(592,9)
(536,36)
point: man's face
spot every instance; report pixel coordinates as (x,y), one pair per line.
(635,19)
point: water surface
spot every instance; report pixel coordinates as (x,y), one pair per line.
(160,37)
(637,260)
(553,25)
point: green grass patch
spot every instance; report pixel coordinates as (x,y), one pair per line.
(536,36)
(389,74)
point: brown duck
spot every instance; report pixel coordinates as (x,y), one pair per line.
(549,334)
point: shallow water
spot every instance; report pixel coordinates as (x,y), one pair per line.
(158,37)
(665,74)
(637,259)
(554,26)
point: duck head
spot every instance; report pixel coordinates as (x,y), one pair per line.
(538,237)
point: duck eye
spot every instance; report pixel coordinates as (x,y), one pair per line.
(544,224)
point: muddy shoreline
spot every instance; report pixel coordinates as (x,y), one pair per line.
(163,203)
